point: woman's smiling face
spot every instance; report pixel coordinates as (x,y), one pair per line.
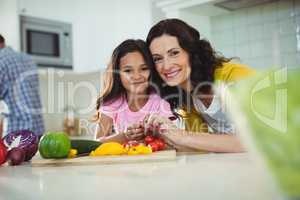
(171,61)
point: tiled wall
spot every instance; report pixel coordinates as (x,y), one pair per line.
(263,36)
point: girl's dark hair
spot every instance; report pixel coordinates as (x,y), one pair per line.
(202,59)
(113,87)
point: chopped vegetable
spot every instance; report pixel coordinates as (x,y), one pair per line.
(140,149)
(148,139)
(16,156)
(23,139)
(109,148)
(72,153)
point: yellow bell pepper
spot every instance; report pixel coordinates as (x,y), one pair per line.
(109,148)
(140,149)
(72,153)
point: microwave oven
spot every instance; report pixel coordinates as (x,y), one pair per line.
(49,42)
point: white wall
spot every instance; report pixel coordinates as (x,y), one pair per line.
(184,10)
(98,26)
(9,23)
(264,36)
(157,13)
(201,23)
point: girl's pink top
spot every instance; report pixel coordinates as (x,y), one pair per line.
(123,117)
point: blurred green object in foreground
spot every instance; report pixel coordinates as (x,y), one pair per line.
(271,103)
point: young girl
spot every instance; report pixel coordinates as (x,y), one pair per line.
(128,96)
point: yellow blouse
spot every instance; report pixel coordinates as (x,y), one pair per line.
(227,72)
(233,72)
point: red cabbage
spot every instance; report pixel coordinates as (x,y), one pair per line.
(24,139)
(31,151)
(16,156)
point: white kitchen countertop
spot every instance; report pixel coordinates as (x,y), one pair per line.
(199,177)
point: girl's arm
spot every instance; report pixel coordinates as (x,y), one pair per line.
(104,130)
(117,137)
(104,126)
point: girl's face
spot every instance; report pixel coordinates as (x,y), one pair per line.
(134,73)
(171,61)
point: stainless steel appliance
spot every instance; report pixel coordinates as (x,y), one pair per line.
(49,42)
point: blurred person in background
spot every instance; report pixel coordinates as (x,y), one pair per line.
(19,90)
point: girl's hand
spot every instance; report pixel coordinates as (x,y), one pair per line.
(135,132)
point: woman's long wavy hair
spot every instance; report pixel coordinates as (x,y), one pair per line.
(112,85)
(202,59)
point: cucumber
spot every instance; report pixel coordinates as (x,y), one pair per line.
(84,146)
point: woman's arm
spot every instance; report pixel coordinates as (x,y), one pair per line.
(204,141)
(193,140)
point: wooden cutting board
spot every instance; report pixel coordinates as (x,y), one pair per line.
(168,155)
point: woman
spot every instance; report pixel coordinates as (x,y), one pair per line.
(187,67)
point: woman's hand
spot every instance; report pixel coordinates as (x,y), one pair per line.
(172,135)
(154,121)
(135,132)
(163,126)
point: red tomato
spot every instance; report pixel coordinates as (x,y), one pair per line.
(125,145)
(148,139)
(133,143)
(160,143)
(154,146)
